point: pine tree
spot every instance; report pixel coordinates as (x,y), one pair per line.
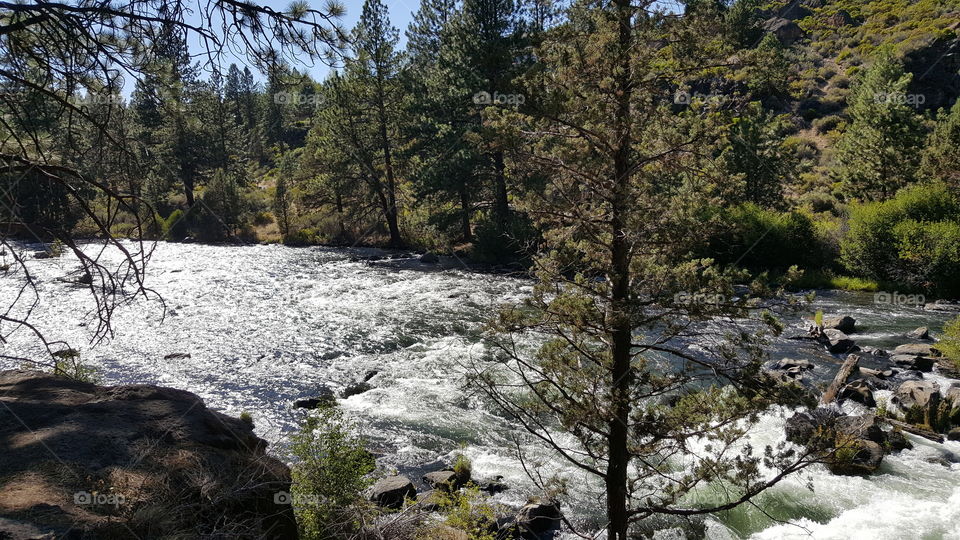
(879,152)
(941,155)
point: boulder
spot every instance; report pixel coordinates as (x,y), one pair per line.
(442,480)
(538,518)
(803,426)
(788,363)
(918,349)
(149,457)
(954,434)
(919,401)
(943,305)
(355,388)
(794,11)
(864,426)
(838,19)
(430,501)
(920,333)
(392,491)
(860,392)
(177,356)
(493,486)
(897,441)
(873,351)
(855,457)
(837,342)
(845,324)
(324,398)
(914,362)
(42,255)
(785,30)
(429,258)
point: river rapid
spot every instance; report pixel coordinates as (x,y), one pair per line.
(266,325)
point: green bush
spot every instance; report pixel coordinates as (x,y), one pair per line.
(757,238)
(949,343)
(333,469)
(912,239)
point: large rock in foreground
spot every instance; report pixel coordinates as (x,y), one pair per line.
(82,460)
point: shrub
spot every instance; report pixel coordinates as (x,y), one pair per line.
(913,239)
(949,343)
(333,469)
(827,123)
(758,238)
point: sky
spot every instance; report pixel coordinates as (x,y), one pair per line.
(401,13)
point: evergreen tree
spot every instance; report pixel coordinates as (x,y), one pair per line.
(941,155)
(755,160)
(879,152)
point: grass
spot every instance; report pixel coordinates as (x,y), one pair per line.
(829,280)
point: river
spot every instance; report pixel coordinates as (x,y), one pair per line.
(266,325)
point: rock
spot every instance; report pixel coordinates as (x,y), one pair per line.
(41,255)
(943,305)
(948,368)
(953,404)
(370,374)
(845,324)
(355,388)
(429,258)
(493,486)
(156,456)
(838,19)
(325,398)
(787,363)
(897,441)
(860,392)
(837,342)
(794,11)
(85,279)
(430,501)
(918,349)
(873,351)
(803,426)
(923,364)
(954,434)
(442,480)
(856,457)
(864,426)
(392,491)
(538,518)
(177,356)
(919,401)
(920,333)
(785,30)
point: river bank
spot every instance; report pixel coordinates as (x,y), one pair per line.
(267,325)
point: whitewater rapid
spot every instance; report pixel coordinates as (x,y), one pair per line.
(265,325)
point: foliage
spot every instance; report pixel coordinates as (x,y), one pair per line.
(949,343)
(332,471)
(909,239)
(757,238)
(467,510)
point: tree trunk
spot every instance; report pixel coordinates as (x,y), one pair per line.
(621,329)
(501,205)
(392,214)
(465,214)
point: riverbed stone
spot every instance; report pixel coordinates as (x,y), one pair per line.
(356,388)
(429,258)
(860,392)
(918,349)
(392,491)
(920,333)
(915,362)
(845,324)
(855,458)
(787,364)
(919,401)
(838,342)
(538,518)
(443,480)
(324,398)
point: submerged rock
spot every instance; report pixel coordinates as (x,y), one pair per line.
(392,491)
(918,349)
(129,461)
(324,398)
(356,388)
(538,518)
(429,258)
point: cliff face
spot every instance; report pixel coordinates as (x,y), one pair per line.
(82,460)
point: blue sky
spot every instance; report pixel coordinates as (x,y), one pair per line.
(401,13)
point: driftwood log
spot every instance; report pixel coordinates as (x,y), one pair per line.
(847,369)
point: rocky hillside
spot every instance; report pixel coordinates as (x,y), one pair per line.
(82,460)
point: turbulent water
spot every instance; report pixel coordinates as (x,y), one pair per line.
(265,325)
